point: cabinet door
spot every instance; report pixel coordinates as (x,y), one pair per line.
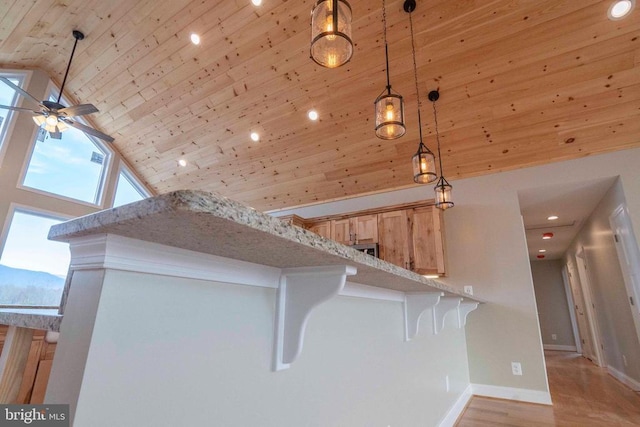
(427,250)
(321,228)
(365,228)
(341,231)
(393,235)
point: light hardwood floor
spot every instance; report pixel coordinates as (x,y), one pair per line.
(583,396)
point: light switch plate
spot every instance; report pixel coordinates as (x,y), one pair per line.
(468,290)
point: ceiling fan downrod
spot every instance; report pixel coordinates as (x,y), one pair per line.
(78,35)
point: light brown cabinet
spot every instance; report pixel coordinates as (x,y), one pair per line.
(409,236)
(412,238)
(393,234)
(322,228)
(427,246)
(356,230)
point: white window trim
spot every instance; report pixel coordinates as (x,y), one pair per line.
(104,176)
(5,137)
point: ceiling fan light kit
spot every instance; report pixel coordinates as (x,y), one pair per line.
(331,44)
(53,116)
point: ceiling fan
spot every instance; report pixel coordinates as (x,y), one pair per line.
(54,116)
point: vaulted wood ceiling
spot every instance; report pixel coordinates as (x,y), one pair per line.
(522,83)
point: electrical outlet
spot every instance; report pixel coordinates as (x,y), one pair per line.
(554,337)
(516,368)
(468,290)
(624,359)
(446,383)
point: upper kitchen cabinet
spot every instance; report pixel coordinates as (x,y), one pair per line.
(427,241)
(410,236)
(355,230)
(322,228)
(393,235)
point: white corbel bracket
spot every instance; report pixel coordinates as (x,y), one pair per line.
(300,291)
(415,304)
(465,308)
(440,311)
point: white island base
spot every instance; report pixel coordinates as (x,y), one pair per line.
(157,334)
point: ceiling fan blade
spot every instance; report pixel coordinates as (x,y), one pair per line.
(8,107)
(78,110)
(89,130)
(55,135)
(20,90)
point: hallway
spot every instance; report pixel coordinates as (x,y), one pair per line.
(583,396)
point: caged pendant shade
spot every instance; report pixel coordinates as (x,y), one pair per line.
(423,162)
(424,165)
(442,188)
(443,194)
(389,106)
(331,44)
(389,115)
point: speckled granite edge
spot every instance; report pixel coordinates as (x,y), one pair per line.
(205,203)
(32,321)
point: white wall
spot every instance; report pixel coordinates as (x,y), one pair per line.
(614,318)
(181,352)
(553,309)
(487,249)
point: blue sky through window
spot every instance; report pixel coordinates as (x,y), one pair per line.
(72,166)
(126,191)
(27,241)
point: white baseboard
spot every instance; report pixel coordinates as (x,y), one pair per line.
(457,409)
(511,393)
(560,347)
(624,378)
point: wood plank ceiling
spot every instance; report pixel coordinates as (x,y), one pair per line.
(522,83)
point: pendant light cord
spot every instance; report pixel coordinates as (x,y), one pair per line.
(415,74)
(435,122)
(386,47)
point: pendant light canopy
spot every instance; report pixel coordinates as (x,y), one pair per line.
(389,106)
(442,188)
(331,44)
(424,162)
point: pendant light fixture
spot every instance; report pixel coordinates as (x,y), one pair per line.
(389,106)
(331,44)
(424,162)
(442,188)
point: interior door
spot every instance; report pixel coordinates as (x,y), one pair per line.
(581,316)
(629,258)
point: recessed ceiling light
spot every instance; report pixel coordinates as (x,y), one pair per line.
(430,276)
(182,162)
(542,251)
(620,8)
(313,115)
(255,137)
(552,217)
(256,2)
(547,236)
(195,39)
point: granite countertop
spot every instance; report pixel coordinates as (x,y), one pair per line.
(48,320)
(213,224)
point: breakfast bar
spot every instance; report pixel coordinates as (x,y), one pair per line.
(148,273)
